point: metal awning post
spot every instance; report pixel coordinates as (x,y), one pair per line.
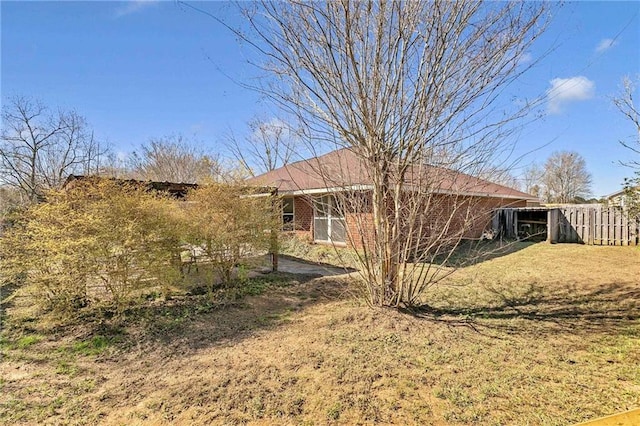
(274,235)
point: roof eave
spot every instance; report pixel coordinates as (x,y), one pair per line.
(363,187)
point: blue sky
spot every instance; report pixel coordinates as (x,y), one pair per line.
(138,70)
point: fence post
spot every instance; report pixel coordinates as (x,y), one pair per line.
(592,226)
(553,224)
(625,229)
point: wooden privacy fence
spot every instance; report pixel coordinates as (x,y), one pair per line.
(596,225)
(586,224)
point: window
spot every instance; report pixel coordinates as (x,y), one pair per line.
(328,220)
(287,214)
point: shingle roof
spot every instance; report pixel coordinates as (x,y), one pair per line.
(618,193)
(343,169)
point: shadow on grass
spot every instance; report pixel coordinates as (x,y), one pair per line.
(607,308)
(470,252)
(8,290)
(196,318)
(193,322)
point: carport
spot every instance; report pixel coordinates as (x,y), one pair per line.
(592,224)
(530,223)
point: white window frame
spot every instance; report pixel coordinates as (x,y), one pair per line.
(329,217)
(292,214)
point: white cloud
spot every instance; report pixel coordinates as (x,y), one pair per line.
(270,129)
(605,44)
(566,90)
(134,6)
(525,58)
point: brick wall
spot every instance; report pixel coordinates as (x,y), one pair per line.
(360,229)
(474,214)
(483,213)
(303,218)
(471,214)
(303,221)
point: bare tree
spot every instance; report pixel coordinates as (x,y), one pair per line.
(40,148)
(626,105)
(116,165)
(566,178)
(500,175)
(268,146)
(413,90)
(173,159)
(532,179)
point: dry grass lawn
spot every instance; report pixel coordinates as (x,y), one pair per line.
(545,335)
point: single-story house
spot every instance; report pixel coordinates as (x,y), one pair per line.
(311,190)
(618,199)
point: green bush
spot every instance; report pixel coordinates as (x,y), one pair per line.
(113,244)
(231,224)
(101,239)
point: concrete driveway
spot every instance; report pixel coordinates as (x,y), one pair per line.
(293,266)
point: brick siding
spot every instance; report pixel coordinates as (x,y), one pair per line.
(303,218)
(360,225)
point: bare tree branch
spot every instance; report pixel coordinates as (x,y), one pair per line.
(39,149)
(415,90)
(566,178)
(532,180)
(625,103)
(268,146)
(174,159)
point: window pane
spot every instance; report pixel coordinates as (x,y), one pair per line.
(287,205)
(320,229)
(338,233)
(336,207)
(287,222)
(321,207)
